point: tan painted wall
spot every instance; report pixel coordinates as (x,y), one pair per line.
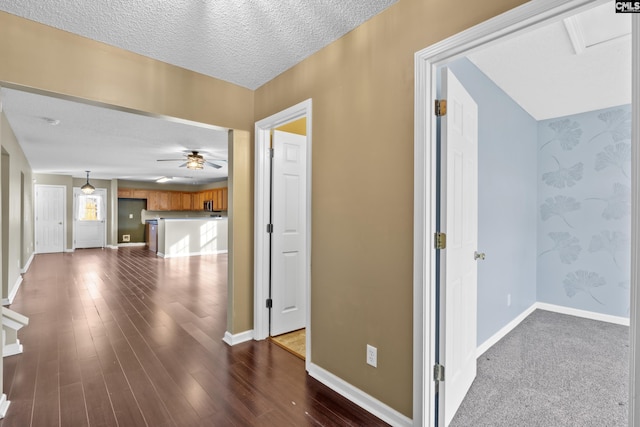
(20,225)
(240,265)
(44,58)
(361,279)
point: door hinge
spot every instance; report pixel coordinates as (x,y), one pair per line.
(271,152)
(269,303)
(440,240)
(438,372)
(269,228)
(441,107)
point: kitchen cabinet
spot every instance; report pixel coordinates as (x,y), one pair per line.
(159,200)
(219,198)
(198,201)
(125,193)
(140,194)
(153,204)
(186,202)
(175,201)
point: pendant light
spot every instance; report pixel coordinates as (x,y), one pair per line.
(88,188)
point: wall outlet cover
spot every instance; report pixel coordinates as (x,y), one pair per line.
(372,356)
(126,237)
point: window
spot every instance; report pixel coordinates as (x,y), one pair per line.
(90,208)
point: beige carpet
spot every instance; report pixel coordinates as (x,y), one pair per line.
(294,342)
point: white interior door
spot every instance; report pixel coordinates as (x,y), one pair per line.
(89,218)
(288,290)
(459,219)
(50,202)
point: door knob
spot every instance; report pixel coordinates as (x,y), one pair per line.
(478,255)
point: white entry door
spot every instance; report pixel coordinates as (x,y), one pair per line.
(288,290)
(50,202)
(89,218)
(459,219)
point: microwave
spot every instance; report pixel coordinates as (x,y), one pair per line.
(208,205)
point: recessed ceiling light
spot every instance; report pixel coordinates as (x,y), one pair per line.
(50,121)
(164,179)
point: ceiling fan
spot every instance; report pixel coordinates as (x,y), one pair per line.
(194,160)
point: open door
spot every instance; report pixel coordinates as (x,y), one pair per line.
(458,270)
(289,198)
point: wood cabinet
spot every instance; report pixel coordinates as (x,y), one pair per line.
(219,198)
(186,202)
(153,203)
(175,201)
(140,194)
(125,193)
(159,200)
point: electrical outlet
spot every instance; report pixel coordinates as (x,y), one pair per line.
(126,237)
(130,216)
(508,300)
(372,356)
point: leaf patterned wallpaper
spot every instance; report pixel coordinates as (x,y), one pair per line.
(584,199)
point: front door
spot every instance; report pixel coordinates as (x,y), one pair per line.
(288,290)
(50,202)
(458,270)
(89,218)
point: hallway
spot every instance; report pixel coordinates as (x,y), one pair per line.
(120,337)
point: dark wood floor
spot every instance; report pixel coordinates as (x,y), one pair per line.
(122,338)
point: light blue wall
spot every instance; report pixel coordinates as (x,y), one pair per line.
(507,202)
(584,210)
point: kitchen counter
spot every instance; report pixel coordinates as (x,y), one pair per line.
(179,237)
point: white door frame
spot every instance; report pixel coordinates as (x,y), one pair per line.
(64,215)
(261,219)
(528,16)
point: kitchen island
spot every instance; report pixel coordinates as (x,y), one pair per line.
(179,237)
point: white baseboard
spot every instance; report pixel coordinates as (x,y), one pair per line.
(505,330)
(360,398)
(72,250)
(124,245)
(163,255)
(4,405)
(548,307)
(12,293)
(233,339)
(28,264)
(583,313)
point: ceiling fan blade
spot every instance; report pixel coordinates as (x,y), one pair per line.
(170,160)
(213,165)
(183,165)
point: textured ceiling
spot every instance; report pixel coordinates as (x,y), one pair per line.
(109,143)
(552,74)
(246,42)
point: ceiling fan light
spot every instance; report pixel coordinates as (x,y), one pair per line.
(88,188)
(194,163)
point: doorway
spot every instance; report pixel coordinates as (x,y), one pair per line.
(294,266)
(427,62)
